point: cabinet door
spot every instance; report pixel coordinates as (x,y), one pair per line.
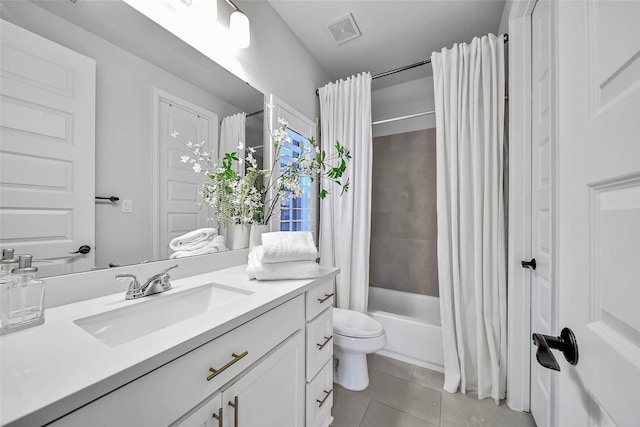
(208,415)
(272,393)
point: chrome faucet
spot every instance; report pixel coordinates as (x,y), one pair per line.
(154,285)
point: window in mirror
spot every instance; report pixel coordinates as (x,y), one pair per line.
(296,214)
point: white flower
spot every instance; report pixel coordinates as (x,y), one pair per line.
(197,168)
(184,159)
(174,134)
(240,145)
(251,150)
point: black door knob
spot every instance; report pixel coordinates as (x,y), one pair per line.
(84,249)
(529,264)
(566,343)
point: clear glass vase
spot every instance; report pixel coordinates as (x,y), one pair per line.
(255,237)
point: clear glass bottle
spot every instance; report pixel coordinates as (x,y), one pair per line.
(7,281)
(22,297)
(8,262)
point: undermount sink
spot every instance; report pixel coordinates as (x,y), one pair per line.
(157,312)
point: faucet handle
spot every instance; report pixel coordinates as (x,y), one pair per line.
(121,276)
(134,286)
(170,268)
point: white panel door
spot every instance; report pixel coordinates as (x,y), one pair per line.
(47,152)
(599,210)
(542,180)
(271,394)
(179,185)
(208,415)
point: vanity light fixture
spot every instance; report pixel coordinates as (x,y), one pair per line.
(239,27)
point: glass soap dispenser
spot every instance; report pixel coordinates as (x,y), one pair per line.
(7,280)
(7,263)
(22,297)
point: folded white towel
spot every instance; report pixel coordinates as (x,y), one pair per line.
(283,246)
(280,270)
(195,239)
(213,246)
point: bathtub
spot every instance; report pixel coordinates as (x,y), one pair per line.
(412,325)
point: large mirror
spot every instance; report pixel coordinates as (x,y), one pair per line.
(148,83)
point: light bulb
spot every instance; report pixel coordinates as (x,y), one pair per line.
(239,28)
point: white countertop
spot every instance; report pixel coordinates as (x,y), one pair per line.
(49,370)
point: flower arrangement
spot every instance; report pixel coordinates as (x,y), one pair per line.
(255,197)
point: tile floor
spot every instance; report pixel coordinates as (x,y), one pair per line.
(403,395)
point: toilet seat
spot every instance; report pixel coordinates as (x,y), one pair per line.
(353,324)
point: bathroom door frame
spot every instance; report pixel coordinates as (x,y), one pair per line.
(519,18)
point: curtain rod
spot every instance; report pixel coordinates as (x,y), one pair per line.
(410,116)
(505,38)
(255,113)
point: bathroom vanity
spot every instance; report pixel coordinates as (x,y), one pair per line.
(216,350)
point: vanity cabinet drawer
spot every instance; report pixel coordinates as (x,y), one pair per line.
(319,342)
(319,298)
(320,396)
(167,393)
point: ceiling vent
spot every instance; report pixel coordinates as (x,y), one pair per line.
(343,29)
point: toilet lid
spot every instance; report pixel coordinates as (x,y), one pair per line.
(354,324)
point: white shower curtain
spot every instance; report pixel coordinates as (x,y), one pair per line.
(469,92)
(232,132)
(345,221)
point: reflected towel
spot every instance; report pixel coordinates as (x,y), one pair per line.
(283,246)
(213,246)
(280,270)
(192,240)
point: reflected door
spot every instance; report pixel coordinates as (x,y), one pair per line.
(47,151)
(179,186)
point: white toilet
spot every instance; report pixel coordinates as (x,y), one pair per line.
(354,336)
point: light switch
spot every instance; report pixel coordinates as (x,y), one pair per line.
(127,206)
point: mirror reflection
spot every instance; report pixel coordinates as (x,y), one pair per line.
(91,93)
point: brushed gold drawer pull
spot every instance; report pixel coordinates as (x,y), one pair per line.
(326,297)
(215,372)
(327,394)
(234,405)
(218,417)
(326,341)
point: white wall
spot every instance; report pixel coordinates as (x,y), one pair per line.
(403,99)
(277,62)
(124,128)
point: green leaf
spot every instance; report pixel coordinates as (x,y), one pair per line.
(323,193)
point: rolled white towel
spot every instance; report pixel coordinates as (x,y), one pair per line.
(285,246)
(280,270)
(213,246)
(195,239)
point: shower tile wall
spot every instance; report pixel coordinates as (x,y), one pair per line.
(403,236)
